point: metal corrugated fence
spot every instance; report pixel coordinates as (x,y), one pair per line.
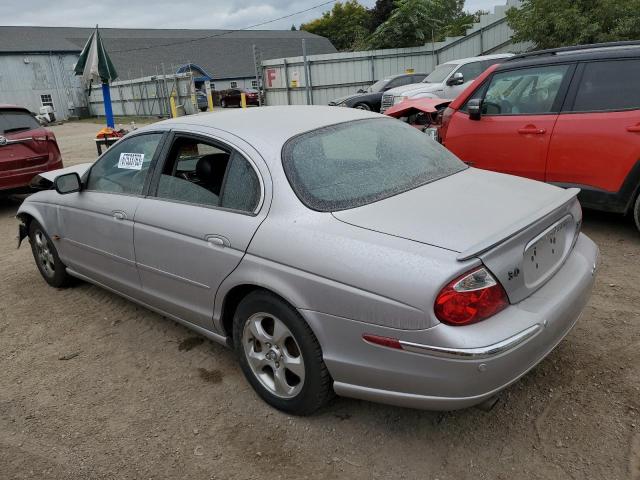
(330,76)
(147,96)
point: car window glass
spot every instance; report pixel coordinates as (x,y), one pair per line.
(526,91)
(206,174)
(124,167)
(610,85)
(440,73)
(351,164)
(16,121)
(241,187)
(471,70)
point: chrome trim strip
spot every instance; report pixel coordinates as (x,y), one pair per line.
(473,353)
(172,276)
(15,140)
(98,251)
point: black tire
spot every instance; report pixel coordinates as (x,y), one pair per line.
(362,106)
(316,389)
(52,270)
(636,212)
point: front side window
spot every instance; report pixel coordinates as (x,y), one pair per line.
(526,91)
(124,167)
(202,173)
(610,85)
(354,163)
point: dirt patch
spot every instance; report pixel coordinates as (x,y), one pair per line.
(190,343)
(211,376)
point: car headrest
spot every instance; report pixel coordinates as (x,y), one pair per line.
(210,170)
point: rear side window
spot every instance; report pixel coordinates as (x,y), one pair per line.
(611,85)
(354,163)
(16,121)
(525,91)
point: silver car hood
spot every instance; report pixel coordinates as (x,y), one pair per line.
(80,169)
(467,212)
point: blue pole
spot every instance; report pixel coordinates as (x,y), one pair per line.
(106,98)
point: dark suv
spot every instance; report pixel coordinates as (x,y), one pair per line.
(568,116)
(370,98)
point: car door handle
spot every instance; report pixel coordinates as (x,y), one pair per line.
(634,128)
(531,130)
(118,215)
(218,241)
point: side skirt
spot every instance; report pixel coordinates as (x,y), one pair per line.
(215,337)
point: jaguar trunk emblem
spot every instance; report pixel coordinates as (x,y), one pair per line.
(3,140)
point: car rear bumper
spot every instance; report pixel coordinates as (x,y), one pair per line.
(444,367)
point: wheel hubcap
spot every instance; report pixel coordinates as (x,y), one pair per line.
(44,255)
(273,355)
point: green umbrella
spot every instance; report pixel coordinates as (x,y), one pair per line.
(95,65)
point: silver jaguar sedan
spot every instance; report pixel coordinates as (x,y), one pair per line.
(336,250)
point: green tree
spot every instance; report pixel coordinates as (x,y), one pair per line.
(414,22)
(345,25)
(293,27)
(556,23)
(380,13)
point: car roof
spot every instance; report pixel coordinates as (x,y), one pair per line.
(578,53)
(7,106)
(268,127)
(477,59)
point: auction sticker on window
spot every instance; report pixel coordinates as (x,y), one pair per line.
(131,161)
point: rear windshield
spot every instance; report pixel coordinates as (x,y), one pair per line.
(16,121)
(351,164)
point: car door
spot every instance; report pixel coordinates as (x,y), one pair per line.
(519,111)
(596,141)
(195,226)
(96,224)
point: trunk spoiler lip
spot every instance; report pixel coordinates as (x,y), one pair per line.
(497,238)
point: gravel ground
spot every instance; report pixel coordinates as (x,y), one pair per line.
(93,386)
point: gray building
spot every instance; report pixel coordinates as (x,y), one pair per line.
(36,63)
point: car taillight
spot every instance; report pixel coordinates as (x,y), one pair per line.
(472,297)
(446,118)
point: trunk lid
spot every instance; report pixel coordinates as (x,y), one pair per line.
(23,142)
(521,230)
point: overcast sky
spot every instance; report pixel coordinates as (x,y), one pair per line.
(171,13)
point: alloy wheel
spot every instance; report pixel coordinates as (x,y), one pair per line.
(273,355)
(44,255)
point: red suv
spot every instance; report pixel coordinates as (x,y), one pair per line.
(26,148)
(567,116)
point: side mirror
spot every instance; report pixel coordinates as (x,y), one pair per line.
(474,108)
(456,79)
(67,183)
(360,90)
